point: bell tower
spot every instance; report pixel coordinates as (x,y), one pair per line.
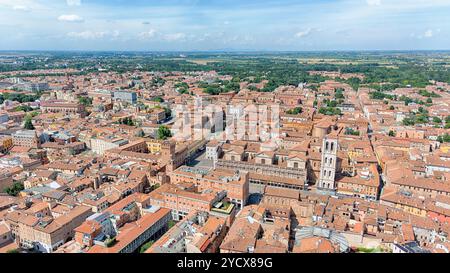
(328,164)
(168,149)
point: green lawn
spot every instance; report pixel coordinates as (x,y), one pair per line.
(146,246)
(369,250)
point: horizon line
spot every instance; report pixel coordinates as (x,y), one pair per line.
(227,50)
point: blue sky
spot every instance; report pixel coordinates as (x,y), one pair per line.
(224,25)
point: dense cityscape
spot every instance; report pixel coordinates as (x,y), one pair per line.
(224,135)
(203,152)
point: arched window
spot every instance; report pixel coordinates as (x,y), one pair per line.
(332,146)
(326,145)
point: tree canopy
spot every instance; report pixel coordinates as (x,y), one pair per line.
(163,132)
(28,123)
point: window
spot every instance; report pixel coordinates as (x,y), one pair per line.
(296,165)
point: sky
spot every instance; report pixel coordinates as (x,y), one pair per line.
(191,25)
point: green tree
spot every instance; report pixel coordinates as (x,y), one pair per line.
(146,246)
(14,189)
(127,121)
(447,119)
(86,101)
(380,96)
(182,87)
(158,99)
(437,120)
(408,121)
(28,123)
(444,138)
(110,242)
(428,94)
(422,118)
(294,111)
(339,93)
(130,122)
(24,108)
(171,224)
(350,131)
(168,112)
(391,133)
(406,99)
(163,132)
(329,111)
(34,113)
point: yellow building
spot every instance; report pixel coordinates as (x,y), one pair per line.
(6,142)
(298,125)
(354,153)
(154,146)
(445,148)
(413,210)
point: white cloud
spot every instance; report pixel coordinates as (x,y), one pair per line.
(22,5)
(87,35)
(175,36)
(373,2)
(303,33)
(71,18)
(115,34)
(428,33)
(73,2)
(93,35)
(21,8)
(147,34)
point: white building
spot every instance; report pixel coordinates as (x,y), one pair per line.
(100,145)
(328,165)
(213,150)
